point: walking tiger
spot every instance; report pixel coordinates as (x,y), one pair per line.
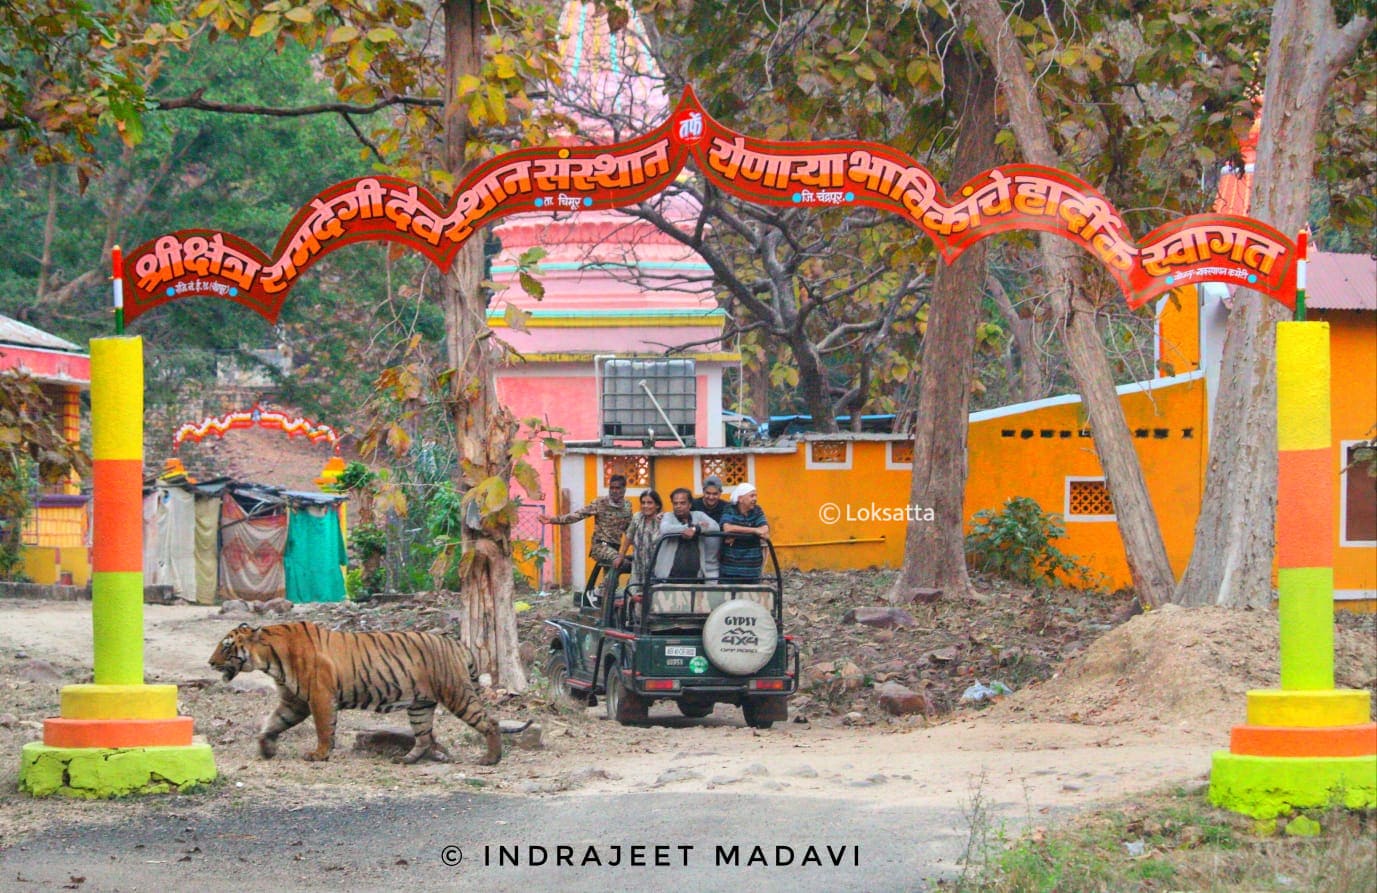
(319,671)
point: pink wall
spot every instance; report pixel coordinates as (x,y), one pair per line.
(570,401)
(564,400)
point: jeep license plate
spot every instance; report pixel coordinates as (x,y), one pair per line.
(680,651)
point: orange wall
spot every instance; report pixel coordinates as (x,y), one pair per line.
(1032,453)
(793,497)
(1353,395)
(854,514)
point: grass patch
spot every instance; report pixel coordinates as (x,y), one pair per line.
(1172,840)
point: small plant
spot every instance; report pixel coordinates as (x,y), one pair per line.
(1018,544)
(353,585)
(368,542)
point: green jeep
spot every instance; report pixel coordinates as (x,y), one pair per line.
(691,642)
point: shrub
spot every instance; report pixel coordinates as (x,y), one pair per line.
(1017,544)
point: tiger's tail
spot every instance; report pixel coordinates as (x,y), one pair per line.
(461,698)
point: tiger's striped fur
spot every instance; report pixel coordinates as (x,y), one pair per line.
(319,671)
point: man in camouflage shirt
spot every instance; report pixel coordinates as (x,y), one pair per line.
(611,516)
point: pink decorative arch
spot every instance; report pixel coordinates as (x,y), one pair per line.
(1203,247)
(255,416)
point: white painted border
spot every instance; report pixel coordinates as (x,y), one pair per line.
(1133,387)
(890,464)
(1066,502)
(1354,595)
(809,464)
(572,479)
(1344,541)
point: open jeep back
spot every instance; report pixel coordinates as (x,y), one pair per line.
(696,643)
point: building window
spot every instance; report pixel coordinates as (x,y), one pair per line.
(635,468)
(1358,501)
(833,455)
(733,469)
(1087,499)
(900,455)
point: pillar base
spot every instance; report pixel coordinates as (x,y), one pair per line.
(1266,787)
(1306,741)
(100,773)
(1323,707)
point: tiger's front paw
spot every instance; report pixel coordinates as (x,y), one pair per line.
(318,756)
(267,747)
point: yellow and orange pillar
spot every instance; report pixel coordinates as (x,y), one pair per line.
(117,735)
(1307,744)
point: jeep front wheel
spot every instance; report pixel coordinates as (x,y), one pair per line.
(622,705)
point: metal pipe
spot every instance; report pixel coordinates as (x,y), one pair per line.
(656,403)
(871,539)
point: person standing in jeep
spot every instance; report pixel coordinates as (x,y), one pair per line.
(710,503)
(685,555)
(741,554)
(611,516)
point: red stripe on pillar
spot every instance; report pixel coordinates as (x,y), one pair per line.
(117,529)
(1305,517)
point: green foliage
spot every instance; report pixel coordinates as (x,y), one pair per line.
(1018,544)
(66,71)
(353,585)
(356,476)
(33,453)
(1364,457)
(368,541)
(16,505)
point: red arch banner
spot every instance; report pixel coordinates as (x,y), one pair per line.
(255,416)
(836,173)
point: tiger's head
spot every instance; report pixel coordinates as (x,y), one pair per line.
(232,656)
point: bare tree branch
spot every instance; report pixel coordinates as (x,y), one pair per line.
(198,101)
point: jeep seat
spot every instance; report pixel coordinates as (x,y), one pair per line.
(702,598)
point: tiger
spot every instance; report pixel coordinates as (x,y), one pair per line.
(319,670)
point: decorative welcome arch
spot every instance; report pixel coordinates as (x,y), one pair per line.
(255,416)
(833,173)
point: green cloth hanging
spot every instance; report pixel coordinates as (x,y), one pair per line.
(315,555)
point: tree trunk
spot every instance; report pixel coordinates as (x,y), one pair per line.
(1235,535)
(1075,316)
(757,375)
(45,263)
(484,430)
(935,552)
(812,385)
(1031,384)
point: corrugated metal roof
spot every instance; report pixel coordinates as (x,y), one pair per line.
(12,331)
(1341,281)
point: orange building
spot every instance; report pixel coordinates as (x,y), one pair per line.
(840,500)
(57,536)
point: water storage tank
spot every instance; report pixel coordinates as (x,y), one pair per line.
(642,398)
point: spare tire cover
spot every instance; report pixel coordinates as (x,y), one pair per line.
(740,636)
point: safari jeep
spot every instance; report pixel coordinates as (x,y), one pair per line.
(694,643)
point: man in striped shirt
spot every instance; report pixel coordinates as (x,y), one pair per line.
(743,524)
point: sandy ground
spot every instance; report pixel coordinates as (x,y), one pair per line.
(1016,764)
